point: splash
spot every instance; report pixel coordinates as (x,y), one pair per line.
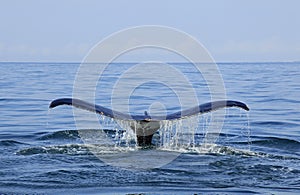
(190,134)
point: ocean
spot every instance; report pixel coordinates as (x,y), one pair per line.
(66,151)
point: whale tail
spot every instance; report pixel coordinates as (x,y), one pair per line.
(145,125)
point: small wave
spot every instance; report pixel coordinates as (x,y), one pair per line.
(273,123)
(22,99)
(279,143)
(73,134)
(10,143)
(216,150)
(65,134)
(75,149)
(213,149)
(71,149)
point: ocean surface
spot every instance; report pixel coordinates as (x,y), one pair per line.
(52,151)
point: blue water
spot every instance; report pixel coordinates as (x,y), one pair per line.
(42,151)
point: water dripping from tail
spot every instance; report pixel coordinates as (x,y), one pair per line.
(181,135)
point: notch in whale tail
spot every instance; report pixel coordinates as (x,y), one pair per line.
(148,125)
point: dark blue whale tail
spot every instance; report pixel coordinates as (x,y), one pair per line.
(147,125)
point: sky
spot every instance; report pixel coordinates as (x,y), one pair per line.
(231,30)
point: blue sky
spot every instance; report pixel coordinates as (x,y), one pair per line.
(232,30)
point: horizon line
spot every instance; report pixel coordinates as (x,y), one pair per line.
(131,62)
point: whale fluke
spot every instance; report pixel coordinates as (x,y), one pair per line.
(146,125)
(203,108)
